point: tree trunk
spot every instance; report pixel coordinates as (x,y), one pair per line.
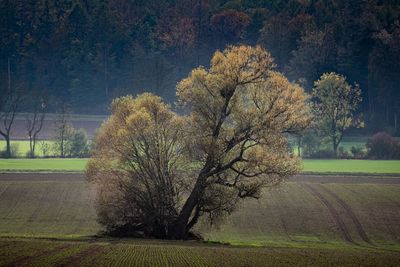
(8,147)
(31,153)
(299,146)
(179,229)
(335,148)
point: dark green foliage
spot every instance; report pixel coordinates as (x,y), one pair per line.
(79,144)
(358,152)
(88,52)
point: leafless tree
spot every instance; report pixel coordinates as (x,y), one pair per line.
(9,103)
(35,120)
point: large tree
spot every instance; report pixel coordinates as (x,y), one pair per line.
(158,172)
(336,102)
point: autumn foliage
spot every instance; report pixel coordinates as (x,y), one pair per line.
(157,173)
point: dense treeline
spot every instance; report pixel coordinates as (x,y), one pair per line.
(85,53)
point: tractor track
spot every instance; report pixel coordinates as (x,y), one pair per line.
(334,213)
(349,212)
(27,260)
(76,259)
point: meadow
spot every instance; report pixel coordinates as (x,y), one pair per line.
(309,165)
(49,219)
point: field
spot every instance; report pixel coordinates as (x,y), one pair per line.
(352,166)
(310,166)
(22,147)
(309,220)
(49,164)
(25,252)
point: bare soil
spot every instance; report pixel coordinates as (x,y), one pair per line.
(309,178)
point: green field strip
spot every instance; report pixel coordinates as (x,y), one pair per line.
(373,167)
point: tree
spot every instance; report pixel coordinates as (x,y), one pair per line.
(78,144)
(335,105)
(35,120)
(63,131)
(9,103)
(158,173)
(138,167)
(230,25)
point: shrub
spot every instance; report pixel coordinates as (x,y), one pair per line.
(344,154)
(383,146)
(79,144)
(14,149)
(358,152)
(45,148)
(311,144)
(322,154)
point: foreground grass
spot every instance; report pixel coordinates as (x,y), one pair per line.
(317,166)
(33,252)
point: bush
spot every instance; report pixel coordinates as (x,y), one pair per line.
(45,148)
(79,144)
(358,152)
(14,149)
(322,154)
(383,146)
(311,144)
(344,154)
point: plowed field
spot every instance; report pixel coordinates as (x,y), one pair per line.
(309,221)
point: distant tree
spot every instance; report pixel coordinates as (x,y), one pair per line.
(157,172)
(78,144)
(336,102)
(384,73)
(314,56)
(63,131)
(230,25)
(35,120)
(9,104)
(280,35)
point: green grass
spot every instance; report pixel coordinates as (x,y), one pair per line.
(310,165)
(22,147)
(32,252)
(50,164)
(352,166)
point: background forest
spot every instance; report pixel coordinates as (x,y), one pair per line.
(85,53)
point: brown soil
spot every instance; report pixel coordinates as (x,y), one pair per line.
(64,177)
(344,179)
(55,176)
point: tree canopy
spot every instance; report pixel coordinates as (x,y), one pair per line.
(336,102)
